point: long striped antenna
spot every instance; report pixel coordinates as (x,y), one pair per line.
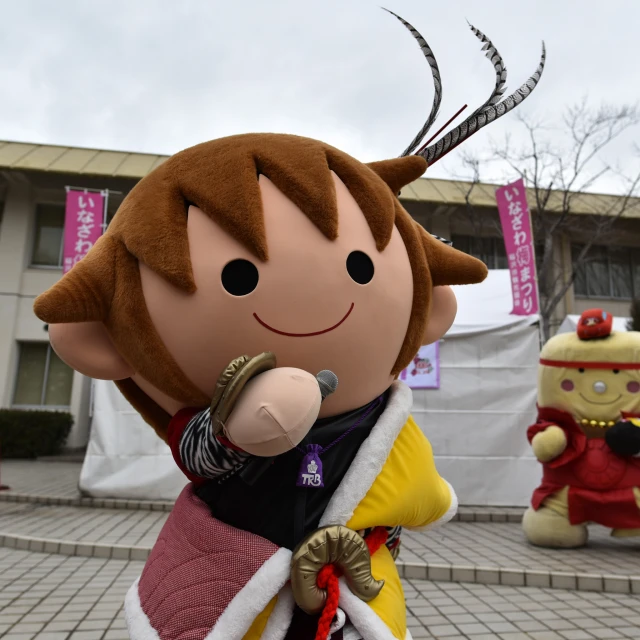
(492,109)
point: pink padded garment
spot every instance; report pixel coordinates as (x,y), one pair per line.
(196,568)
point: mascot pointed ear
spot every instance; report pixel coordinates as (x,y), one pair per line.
(75,308)
(84,294)
(399,172)
(448,265)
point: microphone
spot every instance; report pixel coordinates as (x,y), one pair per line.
(328,383)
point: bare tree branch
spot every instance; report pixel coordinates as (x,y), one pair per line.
(557,175)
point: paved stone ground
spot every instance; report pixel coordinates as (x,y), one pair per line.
(42,478)
(56,479)
(70,597)
(52,597)
(497,544)
(104,526)
(458,543)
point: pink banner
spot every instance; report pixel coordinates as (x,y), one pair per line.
(518,240)
(82,225)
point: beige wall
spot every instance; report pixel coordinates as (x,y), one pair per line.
(19,285)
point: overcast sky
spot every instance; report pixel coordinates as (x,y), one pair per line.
(160,75)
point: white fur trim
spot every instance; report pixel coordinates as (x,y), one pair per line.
(371,457)
(280,618)
(451,511)
(247,605)
(351,633)
(341,618)
(137,622)
(408,636)
(362,616)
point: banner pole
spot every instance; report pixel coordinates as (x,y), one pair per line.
(105,210)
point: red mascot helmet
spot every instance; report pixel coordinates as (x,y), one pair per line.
(594,323)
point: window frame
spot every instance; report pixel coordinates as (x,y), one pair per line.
(495,254)
(46,267)
(45,379)
(607,250)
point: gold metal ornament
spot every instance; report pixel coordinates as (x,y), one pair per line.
(595,423)
(336,545)
(231,382)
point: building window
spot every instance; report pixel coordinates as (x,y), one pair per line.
(43,379)
(490,250)
(49,235)
(607,272)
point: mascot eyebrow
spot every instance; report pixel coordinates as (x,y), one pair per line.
(489,112)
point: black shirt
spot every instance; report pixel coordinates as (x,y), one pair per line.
(273,506)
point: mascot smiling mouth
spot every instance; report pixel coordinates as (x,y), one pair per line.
(304,335)
(592,402)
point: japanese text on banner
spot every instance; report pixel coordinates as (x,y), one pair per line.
(518,239)
(84,216)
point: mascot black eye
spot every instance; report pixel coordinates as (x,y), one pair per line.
(240,277)
(360,267)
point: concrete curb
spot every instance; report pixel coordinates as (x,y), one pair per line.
(487,514)
(95,503)
(408,570)
(520,577)
(465,514)
(70,548)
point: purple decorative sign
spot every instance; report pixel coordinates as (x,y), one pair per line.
(518,240)
(83,221)
(424,370)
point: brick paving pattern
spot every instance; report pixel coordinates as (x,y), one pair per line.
(465,544)
(504,545)
(52,597)
(104,526)
(67,595)
(42,478)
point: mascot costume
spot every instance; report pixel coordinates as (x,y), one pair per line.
(587,435)
(229,277)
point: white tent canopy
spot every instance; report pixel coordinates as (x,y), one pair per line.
(476,421)
(125,458)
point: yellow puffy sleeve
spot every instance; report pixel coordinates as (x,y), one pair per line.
(408,492)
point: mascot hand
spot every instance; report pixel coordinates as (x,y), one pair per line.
(263,410)
(624,439)
(549,444)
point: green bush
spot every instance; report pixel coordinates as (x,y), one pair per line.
(30,434)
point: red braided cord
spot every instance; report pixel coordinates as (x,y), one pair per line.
(328,579)
(376,539)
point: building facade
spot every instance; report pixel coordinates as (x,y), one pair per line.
(33,182)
